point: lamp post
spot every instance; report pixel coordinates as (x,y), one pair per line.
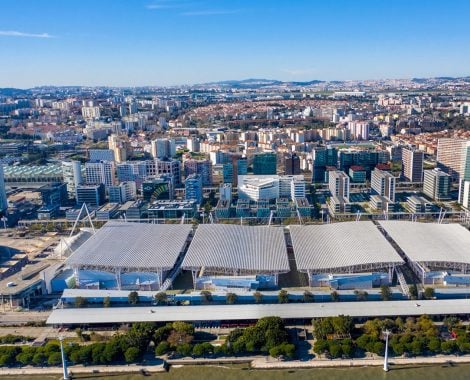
(386,334)
(64,360)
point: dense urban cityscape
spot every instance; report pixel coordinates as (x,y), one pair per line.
(249,224)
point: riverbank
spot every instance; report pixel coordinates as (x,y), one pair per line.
(256,363)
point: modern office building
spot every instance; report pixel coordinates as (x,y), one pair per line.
(265,163)
(202,167)
(412,164)
(383,184)
(160,187)
(193,188)
(163,148)
(297,190)
(225,192)
(100,172)
(125,191)
(321,158)
(72,175)
(358,174)
(132,171)
(436,184)
(292,164)
(3,193)
(236,166)
(162,209)
(453,157)
(254,188)
(92,195)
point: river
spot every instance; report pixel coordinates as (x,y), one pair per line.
(236,372)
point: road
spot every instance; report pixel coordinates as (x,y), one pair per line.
(13,318)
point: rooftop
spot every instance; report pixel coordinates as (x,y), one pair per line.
(431,242)
(232,247)
(341,246)
(132,246)
(255,312)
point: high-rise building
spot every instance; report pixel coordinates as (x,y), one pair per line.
(436,184)
(100,172)
(193,188)
(383,184)
(292,164)
(338,184)
(72,174)
(412,164)
(3,192)
(265,163)
(163,148)
(132,171)
(297,190)
(453,157)
(202,167)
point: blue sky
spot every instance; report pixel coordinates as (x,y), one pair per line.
(166,42)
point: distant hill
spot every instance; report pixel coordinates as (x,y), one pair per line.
(9,91)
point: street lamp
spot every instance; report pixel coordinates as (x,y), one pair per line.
(64,360)
(386,334)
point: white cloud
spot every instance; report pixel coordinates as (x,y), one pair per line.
(15,33)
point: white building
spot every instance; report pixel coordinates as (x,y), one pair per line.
(91,112)
(100,172)
(225,192)
(258,187)
(163,148)
(72,174)
(464,193)
(383,183)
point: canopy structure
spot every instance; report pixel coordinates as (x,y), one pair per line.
(132,247)
(234,249)
(342,248)
(442,246)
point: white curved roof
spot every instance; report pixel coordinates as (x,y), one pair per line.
(226,246)
(340,246)
(132,246)
(431,242)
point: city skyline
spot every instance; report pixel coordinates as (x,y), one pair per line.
(176,42)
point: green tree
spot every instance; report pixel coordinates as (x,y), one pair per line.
(335,349)
(39,358)
(133,298)
(429,293)
(80,302)
(258,297)
(198,350)
(106,302)
(206,296)
(184,349)
(413,289)
(334,296)
(55,358)
(161,298)
(321,346)
(283,296)
(162,348)
(231,298)
(132,354)
(308,296)
(385,293)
